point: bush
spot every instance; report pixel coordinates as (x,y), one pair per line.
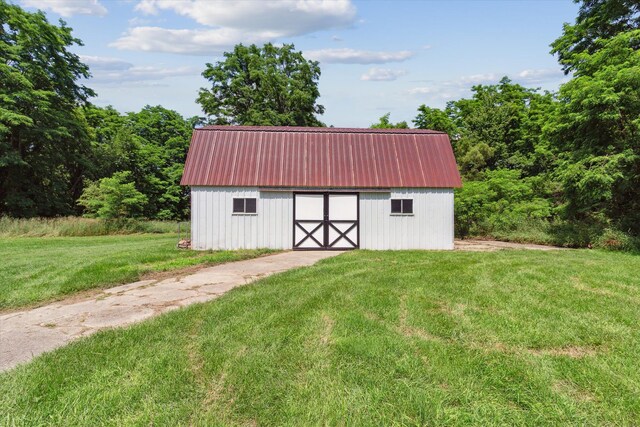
(500,201)
(612,239)
(114,198)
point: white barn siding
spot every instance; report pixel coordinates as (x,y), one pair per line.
(214,226)
(430,226)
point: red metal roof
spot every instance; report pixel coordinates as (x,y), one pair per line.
(248,156)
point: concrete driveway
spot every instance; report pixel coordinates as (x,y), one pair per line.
(26,334)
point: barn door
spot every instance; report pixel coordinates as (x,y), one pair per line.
(342,221)
(325,221)
(308,221)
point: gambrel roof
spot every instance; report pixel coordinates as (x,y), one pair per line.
(250,156)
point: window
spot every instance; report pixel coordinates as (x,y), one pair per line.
(402,206)
(244,206)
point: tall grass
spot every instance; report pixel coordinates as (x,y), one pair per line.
(77,226)
(563,233)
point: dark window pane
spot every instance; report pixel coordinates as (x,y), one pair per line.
(238,205)
(250,206)
(396,206)
(407,206)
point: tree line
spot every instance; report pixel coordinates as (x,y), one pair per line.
(566,161)
(61,155)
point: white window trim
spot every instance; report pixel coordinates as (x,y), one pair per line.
(244,213)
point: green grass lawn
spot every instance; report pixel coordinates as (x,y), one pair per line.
(367,338)
(35,270)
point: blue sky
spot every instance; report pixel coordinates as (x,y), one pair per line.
(375,56)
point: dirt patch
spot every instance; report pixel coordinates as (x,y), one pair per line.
(177,273)
(409,331)
(581,286)
(456,310)
(327,329)
(213,389)
(196,363)
(571,390)
(478,245)
(574,352)
(161,306)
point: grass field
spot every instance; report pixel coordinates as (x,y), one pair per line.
(367,338)
(41,269)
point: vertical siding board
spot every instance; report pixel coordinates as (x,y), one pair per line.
(195,230)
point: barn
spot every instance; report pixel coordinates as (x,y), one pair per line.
(320,188)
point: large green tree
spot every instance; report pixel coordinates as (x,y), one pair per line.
(498,127)
(152,146)
(597,130)
(43,134)
(266,85)
(597,20)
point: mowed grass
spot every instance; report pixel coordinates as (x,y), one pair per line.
(367,338)
(36,270)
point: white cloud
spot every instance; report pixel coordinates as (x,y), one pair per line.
(477,79)
(425,90)
(290,17)
(455,89)
(139,73)
(114,70)
(353,56)
(231,22)
(68,8)
(137,21)
(190,42)
(382,74)
(103,63)
(539,76)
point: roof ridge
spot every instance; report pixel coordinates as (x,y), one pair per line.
(301,129)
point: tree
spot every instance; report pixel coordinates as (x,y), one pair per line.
(435,119)
(500,126)
(114,198)
(385,123)
(597,20)
(597,130)
(270,86)
(43,134)
(152,145)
